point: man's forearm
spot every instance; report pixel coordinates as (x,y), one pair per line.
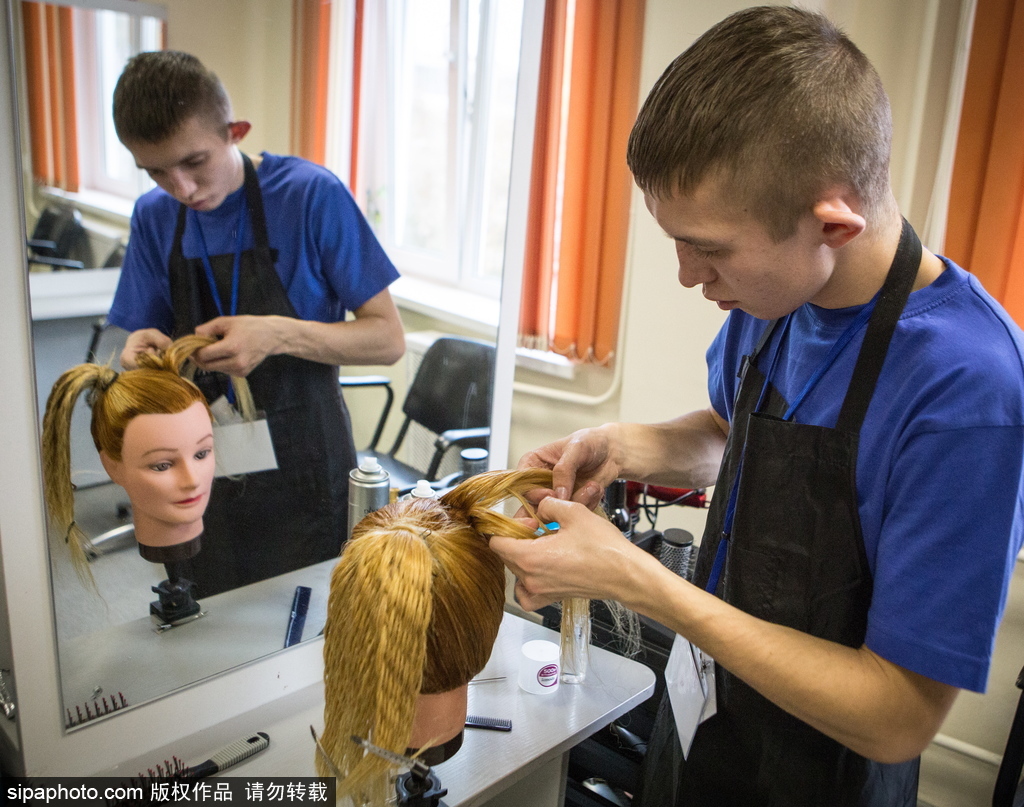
(684,452)
(870,705)
(366,340)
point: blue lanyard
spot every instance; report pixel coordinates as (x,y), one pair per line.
(236,267)
(236,270)
(730,511)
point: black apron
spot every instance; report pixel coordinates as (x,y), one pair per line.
(795,557)
(271,522)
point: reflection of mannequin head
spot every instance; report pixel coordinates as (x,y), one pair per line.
(415,606)
(156,389)
(166,467)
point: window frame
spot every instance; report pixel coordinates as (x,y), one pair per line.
(469,172)
(94,107)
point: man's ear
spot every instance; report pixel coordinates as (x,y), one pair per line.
(237,130)
(114,468)
(839,220)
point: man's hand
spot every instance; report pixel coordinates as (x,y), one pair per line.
(147,340)
(245,341)
(587,557)
(685,453)
(581,464)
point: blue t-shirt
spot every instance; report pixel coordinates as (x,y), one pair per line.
(328,258)
(940,462)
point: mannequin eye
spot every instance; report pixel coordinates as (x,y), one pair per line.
(161,466)
(202,454)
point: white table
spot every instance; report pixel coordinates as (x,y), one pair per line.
(525,767)
(240,625)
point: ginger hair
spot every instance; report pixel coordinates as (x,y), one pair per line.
(157,387)
(414,607)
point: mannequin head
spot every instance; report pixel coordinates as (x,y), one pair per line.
(166,467)
(415,606)
(172,414)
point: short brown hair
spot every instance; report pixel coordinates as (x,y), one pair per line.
(778,104)
(158,91)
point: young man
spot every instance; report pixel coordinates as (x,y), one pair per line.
(866,427)
(268,254)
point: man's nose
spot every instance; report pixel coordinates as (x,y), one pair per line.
(694,272)
(182,185)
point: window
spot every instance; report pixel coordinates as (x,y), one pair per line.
(438,156)
(104,41)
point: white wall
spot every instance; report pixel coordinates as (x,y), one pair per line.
(247,43)
(666,328)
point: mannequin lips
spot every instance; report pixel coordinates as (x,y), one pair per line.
(193,500)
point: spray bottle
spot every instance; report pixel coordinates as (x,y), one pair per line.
(368,490)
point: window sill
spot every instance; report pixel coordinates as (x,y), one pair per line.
(475,313)
(453,306)
(114,209)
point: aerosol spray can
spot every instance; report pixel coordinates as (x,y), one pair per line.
(368,490)
(474,461)
(676,552)
(421,491)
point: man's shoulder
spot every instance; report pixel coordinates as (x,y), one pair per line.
(284,172)
(956,321)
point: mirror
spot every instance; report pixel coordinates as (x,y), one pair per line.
(111,654)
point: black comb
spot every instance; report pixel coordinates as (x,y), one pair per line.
(492,723)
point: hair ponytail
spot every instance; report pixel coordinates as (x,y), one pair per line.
(415,605)
(56,455)
(177,359)
(375,650)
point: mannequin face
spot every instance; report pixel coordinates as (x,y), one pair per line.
(167,469)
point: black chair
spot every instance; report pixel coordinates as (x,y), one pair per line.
(59,240)
(450,396)
(1009,790)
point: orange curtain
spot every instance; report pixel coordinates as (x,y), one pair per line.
(575,264)
(985,227)
(538,263)
(311,39)
(50,59)
(357,92)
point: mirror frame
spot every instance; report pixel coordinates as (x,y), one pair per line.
(35,743)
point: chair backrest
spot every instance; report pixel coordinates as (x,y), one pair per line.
(62,225)
(452,387)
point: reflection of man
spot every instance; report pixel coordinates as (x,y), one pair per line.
(268,254)
(844,586)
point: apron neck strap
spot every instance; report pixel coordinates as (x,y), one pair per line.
(254,199)
(891,301)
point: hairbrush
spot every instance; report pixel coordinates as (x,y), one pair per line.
(98,708)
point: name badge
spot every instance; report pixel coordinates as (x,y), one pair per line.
(240,446)
(690,680)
